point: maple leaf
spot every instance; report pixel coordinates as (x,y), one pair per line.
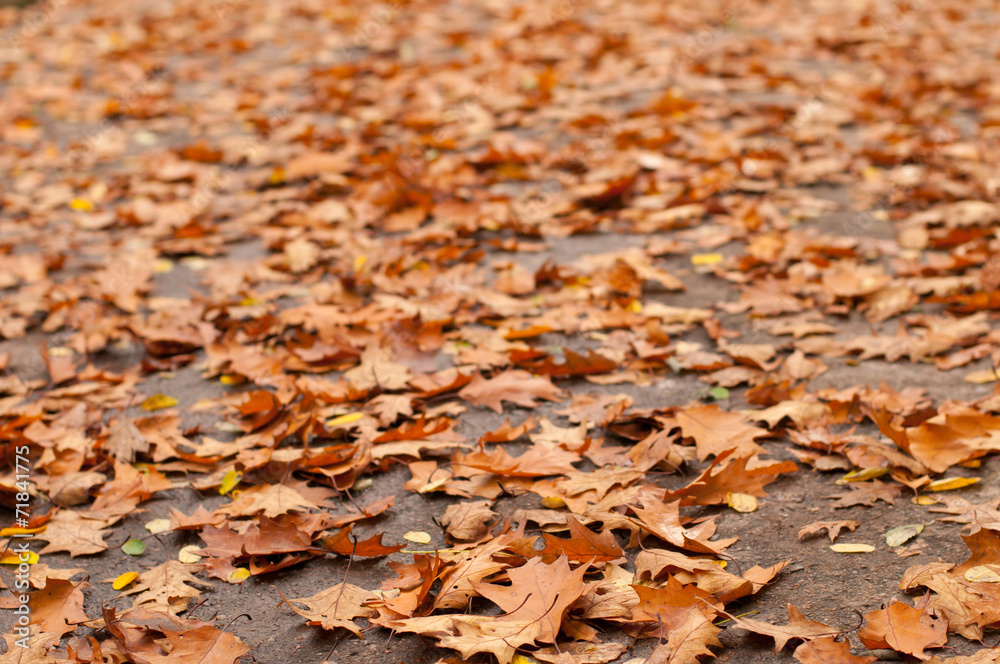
(715,431)
(335,607)
(516,386)
(904,629)
(833,528)
(57,607)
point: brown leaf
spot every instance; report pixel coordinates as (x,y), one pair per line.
(904,629)
(867,494)
(798,627)
(833,528)
(713,485)
(828,651)
(516,386)
(335,607)
(688,641)
(372,547)
(58,606)
(715,431)
(469,520)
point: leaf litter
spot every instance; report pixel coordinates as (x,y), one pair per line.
(278,296)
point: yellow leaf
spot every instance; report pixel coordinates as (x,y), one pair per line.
(230,379)
(523,659)
(239,575)
(277,176)
(229,481)
(359,263)
(983,574)
(345,419)
(11,558)
(417,537)
(923,500)
(951,483)
(741,502)
(705,259)
(124,580)
(7,532)
(158,526)
(862,475)
(635,306)
(981,377)
(158,402)
(187,554)
(852,548)
(163,265)
(553,502)
(81,205)
(433,486)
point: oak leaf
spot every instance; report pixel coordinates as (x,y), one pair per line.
(832,528)
(798,627)
(688,641)
(469,520)
(516,386)
(717,481)
(74,533)
(714,431)
(828,651)
(169,586)
(268,499)
(335,607)
(57,607)
(904,629)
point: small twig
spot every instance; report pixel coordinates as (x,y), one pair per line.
(343,584)
(247,615)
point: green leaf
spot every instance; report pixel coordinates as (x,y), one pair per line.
(719,393)
(134,547)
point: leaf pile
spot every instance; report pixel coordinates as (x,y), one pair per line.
(670,246)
